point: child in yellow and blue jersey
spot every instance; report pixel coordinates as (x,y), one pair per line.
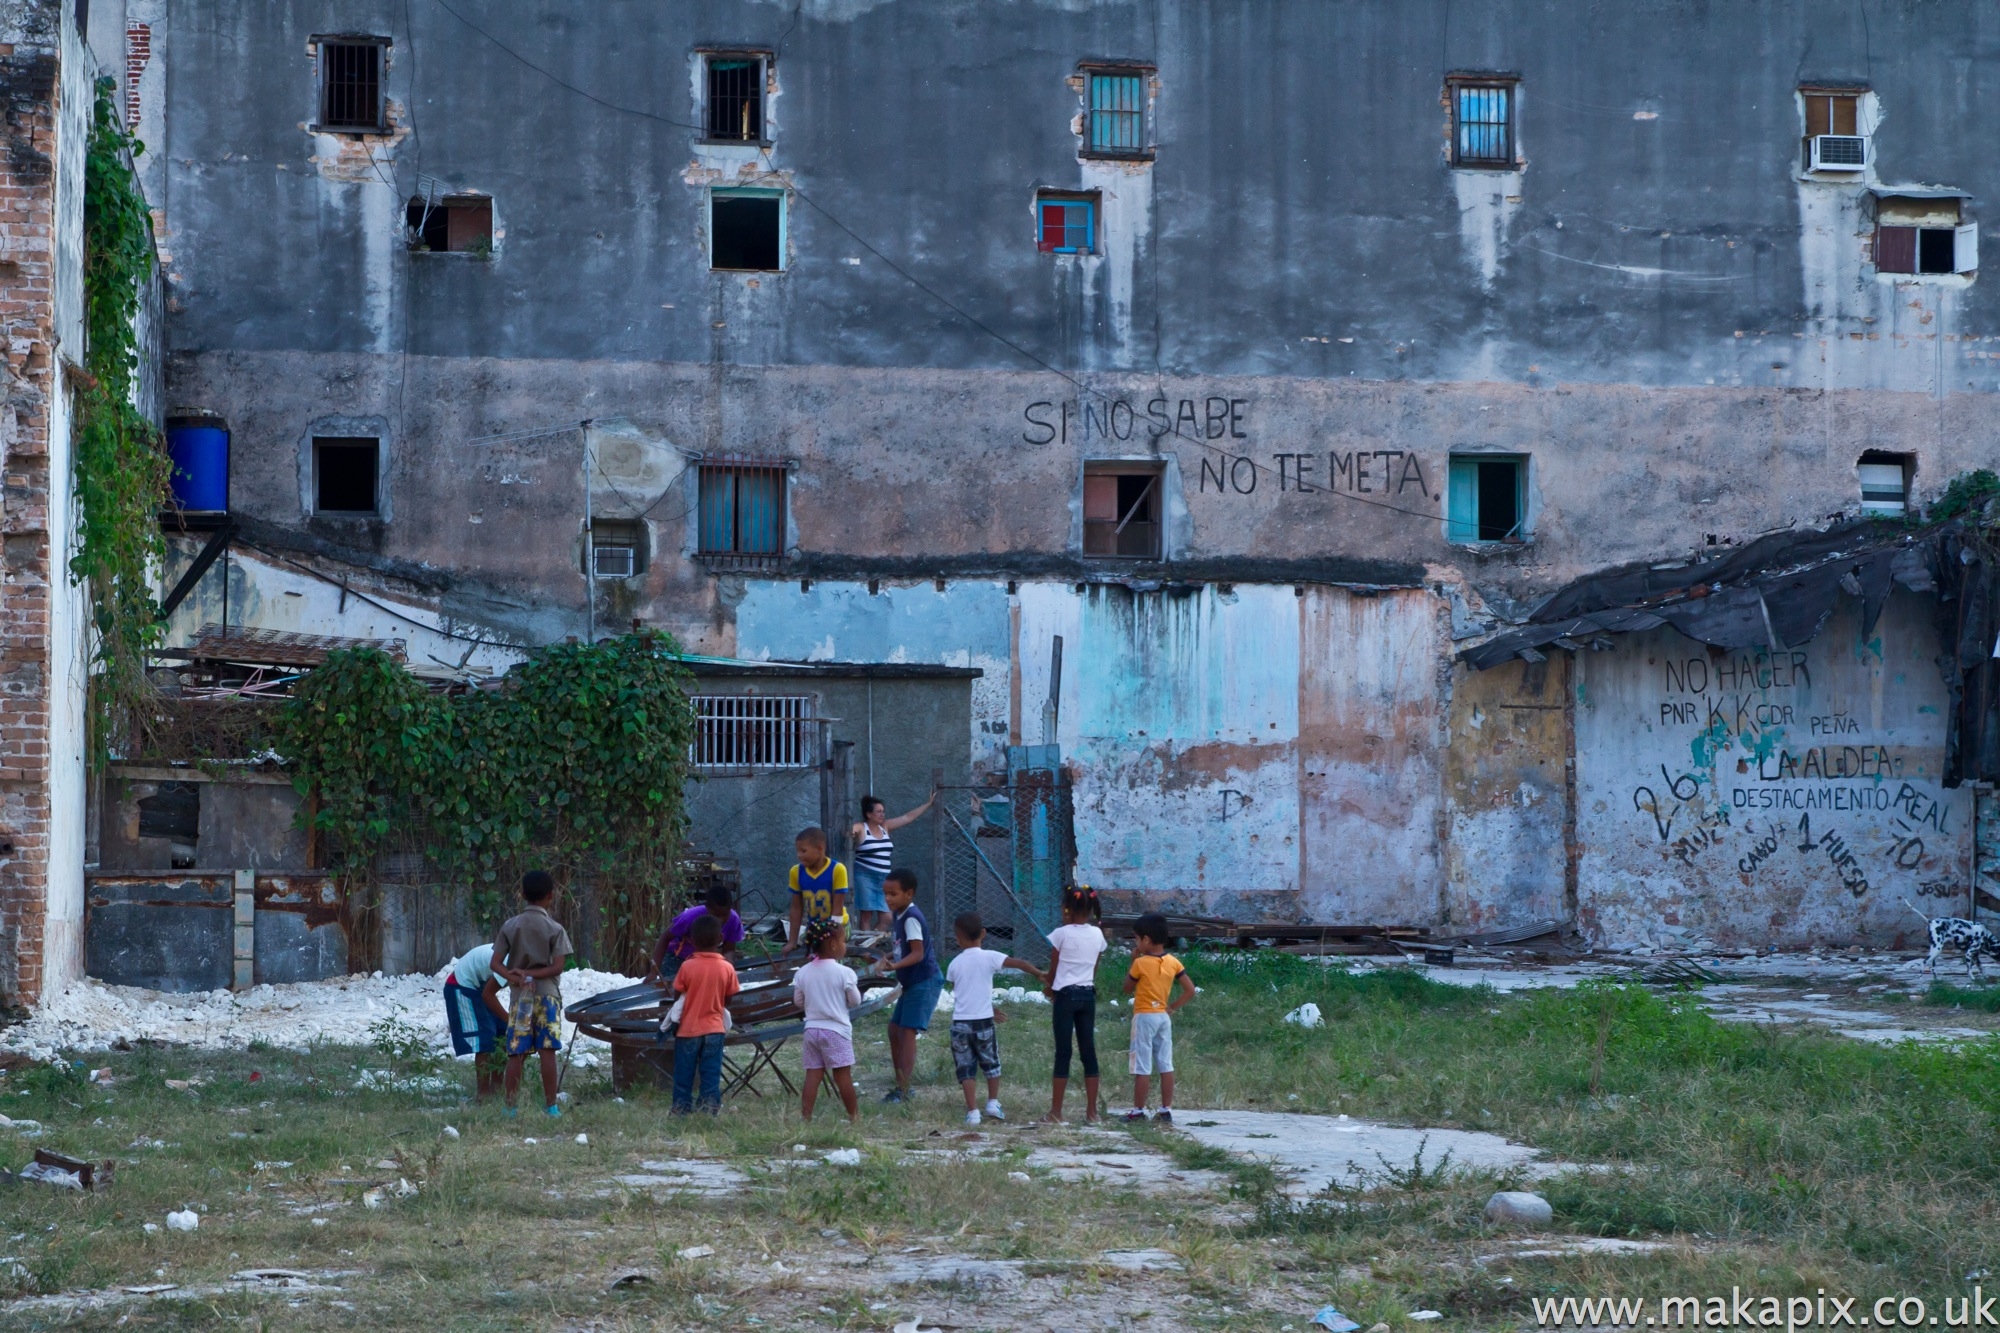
(819,885)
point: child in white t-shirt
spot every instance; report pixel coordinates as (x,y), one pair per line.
(975,1045)
(1077,944)
(826,989)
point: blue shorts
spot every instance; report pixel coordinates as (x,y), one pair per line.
(474,1028)
(868,895)
(917,1004)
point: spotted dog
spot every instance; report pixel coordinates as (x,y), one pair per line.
(1971,939)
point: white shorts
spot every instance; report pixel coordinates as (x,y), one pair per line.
(1152,1044)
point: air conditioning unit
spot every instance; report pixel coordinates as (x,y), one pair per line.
(615,562)
(1840,152)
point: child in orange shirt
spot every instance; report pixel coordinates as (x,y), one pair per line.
(1150,983)
(705,983)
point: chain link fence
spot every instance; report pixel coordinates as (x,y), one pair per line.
(1006,853)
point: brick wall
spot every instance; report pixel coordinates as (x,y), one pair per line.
(28,102)
(138,50)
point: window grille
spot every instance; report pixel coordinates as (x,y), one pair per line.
(743,510)
(1066,226)
(1483,133)
(1117,114)
(736,99)
(753,731)
(351,92)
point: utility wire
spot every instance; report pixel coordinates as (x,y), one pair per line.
(909,277)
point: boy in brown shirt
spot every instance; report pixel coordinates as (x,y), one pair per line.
(529,952)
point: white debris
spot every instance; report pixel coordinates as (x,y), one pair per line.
(696,1252)
(1519,1208)
(372,1199)
(1020,1177)
(185,1220)
(1426,1314)
(450,1131)
(91,1016)
(844,1157)
(152,1228)
(1306,1015)
(583,1139)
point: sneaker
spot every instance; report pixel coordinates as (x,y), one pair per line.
(1165,1117)
(993,1111)
(555,1112)
(972,1117)
(1136,1116)
(892,1097)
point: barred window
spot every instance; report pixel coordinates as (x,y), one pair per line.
(743,509)
(1117,113)
(1482,131)
(350,85)
(735,99)
(753,731)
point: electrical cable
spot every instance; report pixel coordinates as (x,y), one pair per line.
(911,278)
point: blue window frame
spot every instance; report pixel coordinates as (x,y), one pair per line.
(1117,121)
(1065,225)
(742,508)
(1482,132)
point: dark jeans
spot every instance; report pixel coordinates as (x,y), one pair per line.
(703,1054)
(1076,1007)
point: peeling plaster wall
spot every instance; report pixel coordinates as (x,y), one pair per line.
(1787,797)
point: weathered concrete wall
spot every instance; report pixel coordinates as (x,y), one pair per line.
(914,725)
(1326,297)
(1785,797)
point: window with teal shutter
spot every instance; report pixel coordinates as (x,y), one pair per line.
(1486,498)
(1117,113)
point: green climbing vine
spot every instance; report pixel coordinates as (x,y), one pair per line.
(576,762)
(121,470)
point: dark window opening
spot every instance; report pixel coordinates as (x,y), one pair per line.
(743,509)
(350,85)
(746,231)
(1116,123)
(344,475)
(1902,249)
(617,548)
(173,812)
(462,225)
(1066,225)
(1121,512)
(735,99)
(1487,501)
(1885,482)
(1482,124)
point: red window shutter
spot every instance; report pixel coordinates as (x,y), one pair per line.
(1896,249)
(1100,498)
(1052,228)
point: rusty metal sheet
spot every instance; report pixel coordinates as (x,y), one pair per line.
(1507,795)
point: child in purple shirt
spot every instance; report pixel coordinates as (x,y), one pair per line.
(677,942)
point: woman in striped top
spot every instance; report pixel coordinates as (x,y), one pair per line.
(874,858)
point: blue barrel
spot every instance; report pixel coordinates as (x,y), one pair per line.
(201,466)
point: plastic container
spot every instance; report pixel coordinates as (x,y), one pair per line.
(201,467)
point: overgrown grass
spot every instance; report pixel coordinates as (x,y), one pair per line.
(1778,1161)
(1985,999)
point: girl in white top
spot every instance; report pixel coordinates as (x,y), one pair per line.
(1075,946)
(826,989)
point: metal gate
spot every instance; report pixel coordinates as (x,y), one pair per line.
(1006,853)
